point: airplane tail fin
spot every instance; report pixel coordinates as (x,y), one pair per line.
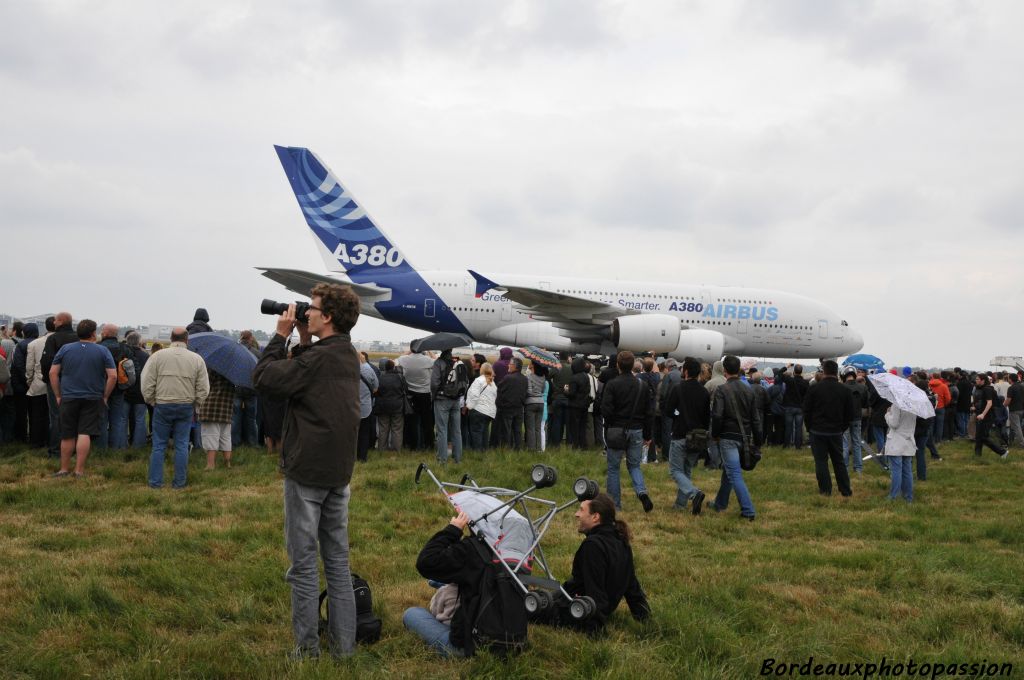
(350,242)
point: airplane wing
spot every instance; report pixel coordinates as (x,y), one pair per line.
(301,282)
(584,319)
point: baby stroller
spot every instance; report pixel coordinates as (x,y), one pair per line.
(502,519)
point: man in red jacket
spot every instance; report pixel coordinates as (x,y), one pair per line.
(942,399)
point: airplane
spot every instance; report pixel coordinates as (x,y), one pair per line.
(576,315)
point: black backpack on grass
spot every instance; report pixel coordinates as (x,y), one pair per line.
(497,613)
(368,625)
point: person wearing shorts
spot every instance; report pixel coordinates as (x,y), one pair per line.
(82,377)
(216,416)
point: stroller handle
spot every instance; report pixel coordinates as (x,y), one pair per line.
(419,471)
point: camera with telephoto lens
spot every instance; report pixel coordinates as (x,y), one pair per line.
(274,308)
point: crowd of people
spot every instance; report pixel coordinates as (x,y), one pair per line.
(323,407)
(70,388)
(443,403)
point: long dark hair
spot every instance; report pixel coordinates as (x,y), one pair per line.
(603,505)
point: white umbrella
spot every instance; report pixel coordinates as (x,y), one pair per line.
(903,393)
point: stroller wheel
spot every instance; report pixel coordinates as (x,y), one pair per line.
(537,601)
(543,476)
(582,608)
(585,489)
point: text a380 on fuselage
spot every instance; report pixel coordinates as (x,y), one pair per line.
(556,313)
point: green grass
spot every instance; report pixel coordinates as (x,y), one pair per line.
(104,577)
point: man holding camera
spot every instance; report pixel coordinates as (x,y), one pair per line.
(318,450)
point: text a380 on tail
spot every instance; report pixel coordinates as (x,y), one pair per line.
(557,313)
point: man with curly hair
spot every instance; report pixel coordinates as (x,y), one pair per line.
(318,451)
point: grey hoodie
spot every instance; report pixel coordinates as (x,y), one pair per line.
(717,377)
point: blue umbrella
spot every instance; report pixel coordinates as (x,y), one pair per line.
(224,356)
(865,362)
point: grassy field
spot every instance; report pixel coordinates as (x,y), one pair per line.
(104,577)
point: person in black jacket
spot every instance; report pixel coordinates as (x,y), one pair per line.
(963,402)
(318,454)
(578,392)
(626,403)
(510,402)
(792,404)
(852,437)
(448,558)
(689,405)
(134,404)
(200,322)
(602,569)
(734,414)
(62,334)
(390,407)
(879,407)
(828,411)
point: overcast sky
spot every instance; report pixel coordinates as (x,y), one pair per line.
(867,154)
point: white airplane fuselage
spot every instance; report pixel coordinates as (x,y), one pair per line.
(752,321)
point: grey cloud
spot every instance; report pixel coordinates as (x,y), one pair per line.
(1005,210)
(930,53)
(61,197)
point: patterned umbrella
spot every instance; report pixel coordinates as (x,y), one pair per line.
(540,356)
(903,393)
(225,356)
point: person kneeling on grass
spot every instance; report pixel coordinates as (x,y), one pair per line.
(601,569)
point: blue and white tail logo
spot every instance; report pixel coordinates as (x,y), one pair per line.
(350,242)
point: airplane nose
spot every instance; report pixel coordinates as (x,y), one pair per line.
(854,341)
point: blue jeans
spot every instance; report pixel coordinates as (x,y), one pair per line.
(879,434)
(633,454)
(666,437)
(114,430)
(681,462)
(136,413)
(852,442)
(940,417)
(920,457)
(314,517)
(432,631)
(170,420)
(243,422)
(794,427)
(901,476)
(448,420)
(961,422)
(732,479)
(479,430)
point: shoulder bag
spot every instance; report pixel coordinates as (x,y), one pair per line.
(750,454)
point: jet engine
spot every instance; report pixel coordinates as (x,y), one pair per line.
(699,344)
(646,332)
